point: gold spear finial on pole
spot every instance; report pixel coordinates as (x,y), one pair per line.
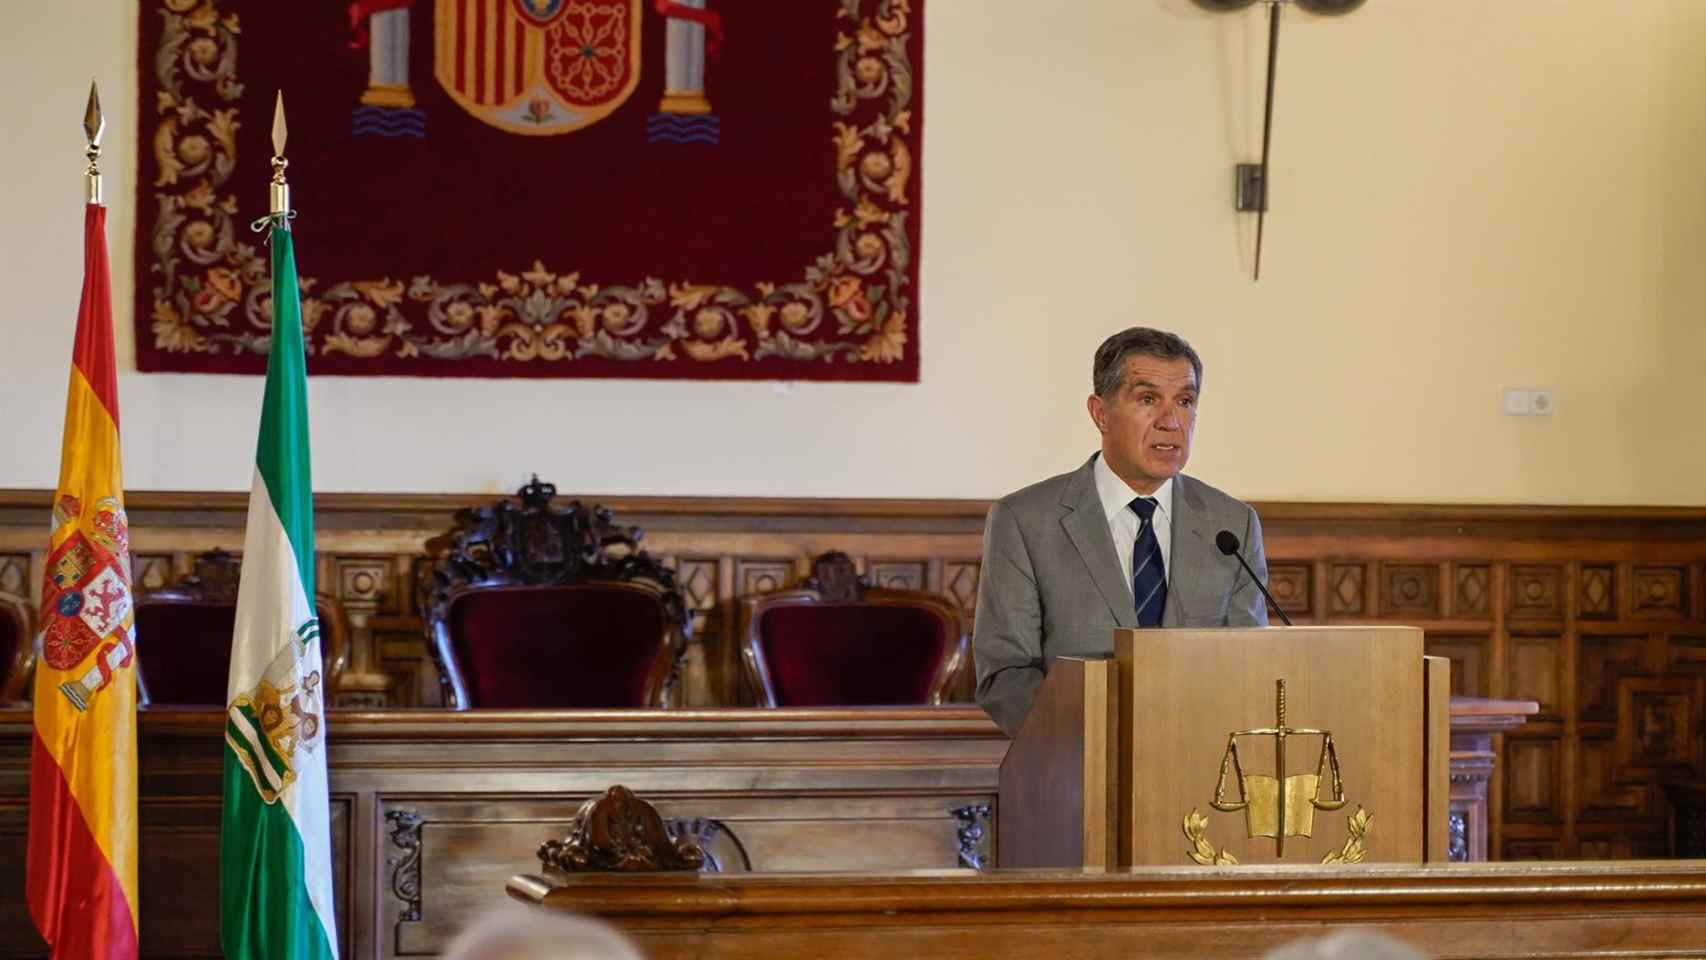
(280,192)
(94,125)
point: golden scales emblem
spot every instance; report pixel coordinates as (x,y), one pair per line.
(1278,806)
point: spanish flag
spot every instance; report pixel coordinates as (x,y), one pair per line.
(82,843)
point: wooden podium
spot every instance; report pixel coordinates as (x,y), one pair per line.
(1179,750)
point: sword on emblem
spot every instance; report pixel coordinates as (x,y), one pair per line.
(1280,806)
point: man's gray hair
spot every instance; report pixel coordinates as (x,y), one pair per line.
(1142,342)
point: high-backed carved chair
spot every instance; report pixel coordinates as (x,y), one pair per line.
(183,635)
(837,641)
(17,648)
(531,605)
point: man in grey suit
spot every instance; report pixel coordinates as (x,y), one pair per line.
(1126,540)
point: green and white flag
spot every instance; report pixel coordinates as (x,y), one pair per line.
(275,870)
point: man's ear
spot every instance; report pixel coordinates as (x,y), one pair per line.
(1098,412)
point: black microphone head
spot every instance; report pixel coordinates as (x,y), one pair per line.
(1227,541)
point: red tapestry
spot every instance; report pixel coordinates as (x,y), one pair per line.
(537,188)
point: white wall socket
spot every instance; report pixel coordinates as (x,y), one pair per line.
(1528,401)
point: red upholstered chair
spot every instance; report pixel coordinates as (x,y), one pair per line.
(183,635)
(17,649)
(837,641)
(531,605)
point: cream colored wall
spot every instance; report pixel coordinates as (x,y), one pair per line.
(1467,195)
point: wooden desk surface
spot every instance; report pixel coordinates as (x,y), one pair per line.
(1630,909)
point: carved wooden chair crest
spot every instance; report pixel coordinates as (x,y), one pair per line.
(17,649)
(836,640)
(528,604)
(619,832)
(183,634)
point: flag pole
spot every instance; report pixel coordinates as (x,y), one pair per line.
(94,125)
(279,193)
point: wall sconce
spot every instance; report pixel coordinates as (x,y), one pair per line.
(1250,180)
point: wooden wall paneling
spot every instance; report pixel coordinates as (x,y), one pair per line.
(1519,849)
(1659,592)
(1472,591)
(897,574)
(1537,592)
(1602,661)
(151,571)
(1601,794)
(1410,591)
(1347,595)
(1598,595)
(1564,601)
(1536,673)
(700,580)
(15,574)
(1568,596)
(1289,582)
(1659,726)
(1532,766)
(368,586)
(1469,655)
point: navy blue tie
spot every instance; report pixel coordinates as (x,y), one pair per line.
(1148,574)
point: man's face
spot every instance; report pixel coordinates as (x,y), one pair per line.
(1147,424)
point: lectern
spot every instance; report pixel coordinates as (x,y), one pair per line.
(1217,747)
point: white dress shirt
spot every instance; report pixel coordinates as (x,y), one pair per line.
(1123,524)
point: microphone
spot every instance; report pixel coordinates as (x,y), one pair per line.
(1228,543)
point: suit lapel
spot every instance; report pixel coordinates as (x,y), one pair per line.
(1185,556)
(1087,527)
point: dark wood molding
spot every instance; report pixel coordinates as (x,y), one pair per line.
(1474,519)
(1653,909)
(926,897)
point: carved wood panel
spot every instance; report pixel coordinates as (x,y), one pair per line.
(15,574)
(1469,656)
(1659,725)
(1536,592)
(1473,597)
(1290,583)
(1531,780)
(1536,668)
(1658,593)
(1409,591)
(897,574)
(1601,661)
(1598,591)
(959,580)
(1599,795)
(1345,588)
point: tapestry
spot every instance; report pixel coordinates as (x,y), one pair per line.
(678,189)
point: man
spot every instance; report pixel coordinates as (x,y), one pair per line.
(1126,540)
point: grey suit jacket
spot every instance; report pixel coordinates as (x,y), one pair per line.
(1051,584)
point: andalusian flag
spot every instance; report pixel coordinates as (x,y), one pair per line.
(82,858)
(275,871)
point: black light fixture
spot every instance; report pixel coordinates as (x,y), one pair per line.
(1250,180)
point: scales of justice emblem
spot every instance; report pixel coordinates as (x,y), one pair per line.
(537,67)
(1278,806)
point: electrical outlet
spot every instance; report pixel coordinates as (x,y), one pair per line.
(1518,402)
(1528,401)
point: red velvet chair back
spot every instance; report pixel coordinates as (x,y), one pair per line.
(528,605)
(835,641)
(183,636)
(17,649)
(575,645)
